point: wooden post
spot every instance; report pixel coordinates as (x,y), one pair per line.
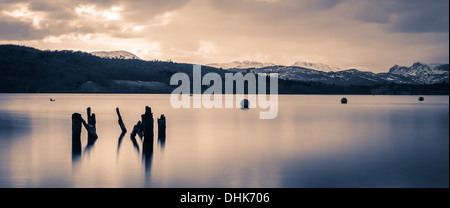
(147,144)
(90,129)
(136,130)
(139,129)
(162,130)
(76,126)
(121,124)
(76,136)
(147,123)
(91,118)
(162,126)
(90,126)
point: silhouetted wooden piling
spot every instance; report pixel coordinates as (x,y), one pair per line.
(121,124)
(139,129)
(147,123)
(162,127)
(76,136)
(90,126)
(92,134)
(136,130)
(147,143)
(91,117)
(76,126)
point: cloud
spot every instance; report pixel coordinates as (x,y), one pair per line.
(371,34)
(16,30)
(54,18)
(408,16)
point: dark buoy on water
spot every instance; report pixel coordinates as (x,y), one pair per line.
(245,104)
(344,100)
(421,99)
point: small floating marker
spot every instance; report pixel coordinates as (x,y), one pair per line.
(245,104)
(421,99)
(344,100)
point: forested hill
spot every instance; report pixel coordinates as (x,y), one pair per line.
(25,69)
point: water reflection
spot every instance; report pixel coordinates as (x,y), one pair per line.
(14,125)
(90,143)
(120,141)
(76,151)
(162,141)
(147,153)
(374,141)
(135,144)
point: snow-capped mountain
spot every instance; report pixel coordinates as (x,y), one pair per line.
(254,64)
(345,77)
(115,54)
(423,73)
(240,65)
(316,66)
(418,73)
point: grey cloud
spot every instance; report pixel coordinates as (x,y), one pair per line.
(18,31)
(422,16)
(275,10)
(408,16)
(60,17)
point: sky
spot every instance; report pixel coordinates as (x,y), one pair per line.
(371,35)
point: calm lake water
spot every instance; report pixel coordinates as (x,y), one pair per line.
(373,141)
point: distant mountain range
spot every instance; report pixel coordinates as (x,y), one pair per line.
(29,70)
(254,64)
(240,65)
(418,73)
(115,54)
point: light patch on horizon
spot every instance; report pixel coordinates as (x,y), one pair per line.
(206,49)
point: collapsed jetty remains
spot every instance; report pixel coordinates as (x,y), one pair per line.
(143,128)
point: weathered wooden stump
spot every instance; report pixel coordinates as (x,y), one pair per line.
(136,130)
(76,136)
(162,126)
(90,126)
(76,126)
(92,134)
(139,129)
(120,121)
(147,144)
(147,123)
(91,117)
